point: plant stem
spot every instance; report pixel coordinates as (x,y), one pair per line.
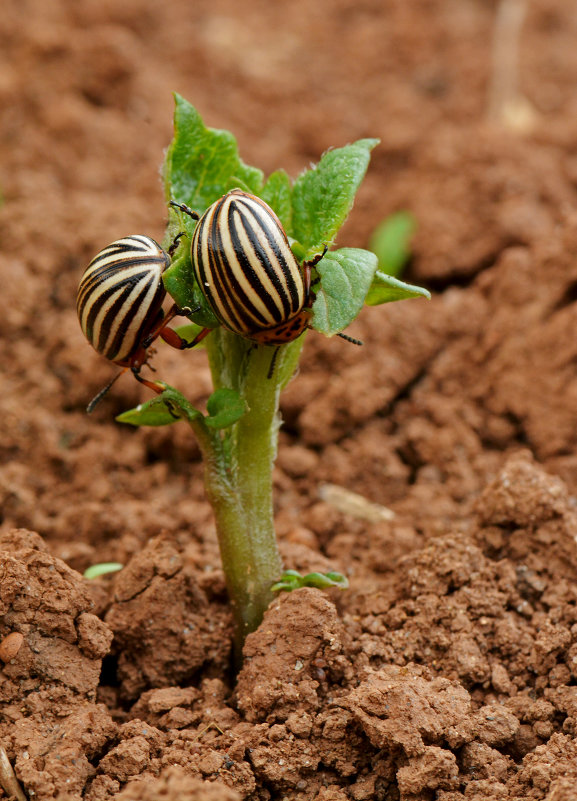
(238,472)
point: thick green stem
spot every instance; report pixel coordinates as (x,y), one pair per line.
(238,472)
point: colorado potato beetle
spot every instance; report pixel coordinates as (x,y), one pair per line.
(247,271)
(119,304)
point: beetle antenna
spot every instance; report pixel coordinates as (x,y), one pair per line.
(97,398)
(350,339)
(186,209)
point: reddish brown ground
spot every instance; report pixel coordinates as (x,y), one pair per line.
(449,670)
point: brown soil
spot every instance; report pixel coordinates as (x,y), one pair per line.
(448,671)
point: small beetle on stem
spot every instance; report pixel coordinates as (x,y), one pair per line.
(119,305)
(247,271)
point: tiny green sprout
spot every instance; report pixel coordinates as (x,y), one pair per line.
(102,569)
(250,366)
(293,580)
(391,242)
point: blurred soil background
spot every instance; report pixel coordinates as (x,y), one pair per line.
(448,671)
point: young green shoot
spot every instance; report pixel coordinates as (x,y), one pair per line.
(238,432)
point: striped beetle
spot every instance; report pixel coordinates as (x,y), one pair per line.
(247,271)
(119,304)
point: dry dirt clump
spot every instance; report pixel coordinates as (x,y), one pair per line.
(286,670)
(457,683)
(175,783)
(495,609)
(164,625)
(51,725)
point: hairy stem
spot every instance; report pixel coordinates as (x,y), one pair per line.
(238,472)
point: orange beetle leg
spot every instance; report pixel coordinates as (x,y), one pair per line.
(176,341)
(161,330)
(155,386)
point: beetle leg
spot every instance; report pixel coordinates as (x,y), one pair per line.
(317,258)
(175,243)
(176,341)
(155,386)
(307,268)
(186,311)
(269,375)
(159,328)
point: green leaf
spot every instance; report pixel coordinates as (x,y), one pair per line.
(180,283)
(293,580)
(102,569)
(386,289)
(224,407)
(323,196)
(391,242)
(189,331)
(202,164)
(152,413)
(277,193)
(164,409)
(346,276)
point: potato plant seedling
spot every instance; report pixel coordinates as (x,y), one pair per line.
(238,432)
